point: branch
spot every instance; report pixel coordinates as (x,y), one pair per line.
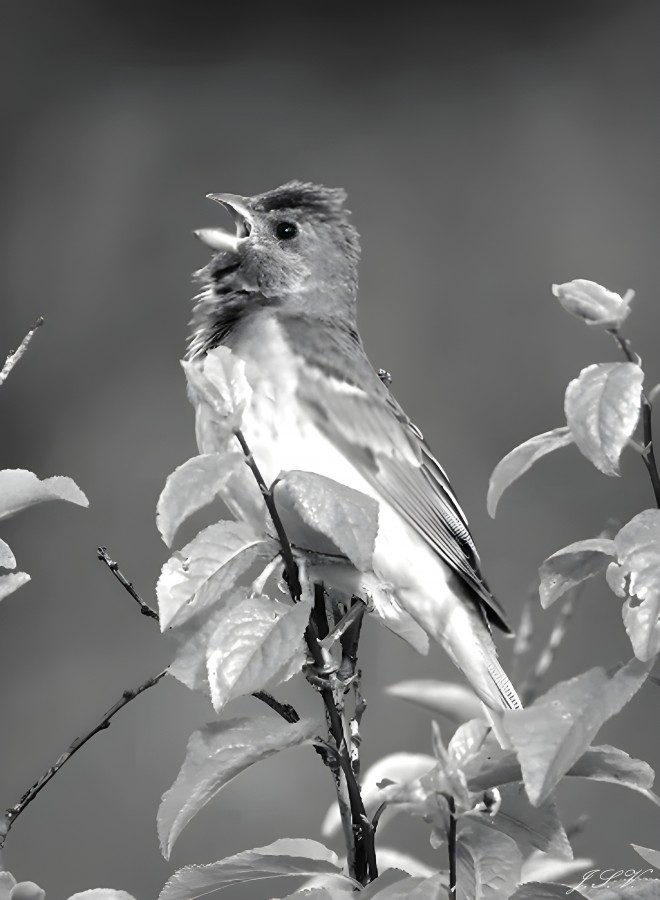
(451,844)
(14,812)
(14,357)
(365,854)
(145,609)
(647,427)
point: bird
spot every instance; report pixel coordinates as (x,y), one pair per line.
(280,291)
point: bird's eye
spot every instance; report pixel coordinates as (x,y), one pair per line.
(284,231)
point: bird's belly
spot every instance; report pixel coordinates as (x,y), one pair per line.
(282,438)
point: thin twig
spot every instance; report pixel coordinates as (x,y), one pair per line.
(365,864)
(285,710)
(14,357)
(356,610)
(451,843)
(145,609)
(14,812)
(647,426)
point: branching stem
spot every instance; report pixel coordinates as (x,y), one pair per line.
(145,609)
(14,812)
(365,855)
(647,425)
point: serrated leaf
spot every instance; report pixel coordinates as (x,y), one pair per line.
(399,768)
(638,547)
(631,887)
(521,459)
(20,489)
(191,486)
(531,827)
(288,856)
(553,733)
(12,582)
(209,566)
(7,558)
(257,644)
(602,409)
(651,856)
(433,887)
(347,517)
(102,894)
(612,765)
(215,755)
(455,701)
(487,864)
(217,382)
(534,890)
(572,565)
(403,863)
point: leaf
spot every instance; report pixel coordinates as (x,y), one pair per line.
(347,517)
(216,754)
(433,887)
(541,867)
(102,894)
(288,856)
(209,566)
(572,565)
(612,765)
(638,547)
(7,558)
(553,733)
(522,458)
(11,583)
(20,489)
(531,827)
(7,882)
(487,864)
(193,485)
(534,890)
(602,409)
(390,858)
(593,303)
(467,741)
(631,887)
(336,892)
(453,700)
(257,644)
(399,768)
(217,381)
(27,890)
(651,856)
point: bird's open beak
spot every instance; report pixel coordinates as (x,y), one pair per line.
(218,238)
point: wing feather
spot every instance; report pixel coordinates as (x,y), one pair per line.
(391,454)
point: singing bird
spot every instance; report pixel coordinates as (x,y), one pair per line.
(281,293)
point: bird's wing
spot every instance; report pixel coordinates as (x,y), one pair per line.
(390,452)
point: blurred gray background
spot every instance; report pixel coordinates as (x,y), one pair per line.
(489,149)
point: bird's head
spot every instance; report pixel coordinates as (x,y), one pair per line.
(293,246)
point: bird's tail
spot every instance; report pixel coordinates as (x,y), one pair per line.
(459,627)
